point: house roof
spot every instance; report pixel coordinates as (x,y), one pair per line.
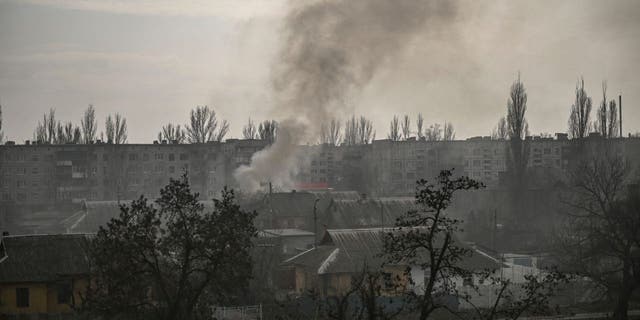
(349,250)
(288,232)
(98,213)
(43,258)
(369,212)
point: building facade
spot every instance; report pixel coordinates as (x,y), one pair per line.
(57,174)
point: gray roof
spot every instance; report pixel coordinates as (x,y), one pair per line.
(43,258)
(349,250)
(289,232)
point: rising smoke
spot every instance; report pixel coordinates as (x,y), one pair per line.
(331,49)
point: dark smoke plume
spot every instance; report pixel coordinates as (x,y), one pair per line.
(331,49)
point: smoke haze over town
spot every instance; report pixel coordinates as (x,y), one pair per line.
(154,62)
(319,159)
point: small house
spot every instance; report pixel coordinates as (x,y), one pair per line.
(42,275)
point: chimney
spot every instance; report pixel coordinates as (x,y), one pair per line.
(620,108)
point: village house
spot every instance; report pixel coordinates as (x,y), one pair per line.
(42,275)
(329,268)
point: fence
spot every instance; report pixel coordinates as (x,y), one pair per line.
(238,313)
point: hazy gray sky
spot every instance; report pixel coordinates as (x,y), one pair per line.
(155,60)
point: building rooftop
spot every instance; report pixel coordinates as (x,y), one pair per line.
(349,250)
(289,232)
(43,258)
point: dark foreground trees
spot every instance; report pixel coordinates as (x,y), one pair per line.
(172,259)
(425,238)
(601,240)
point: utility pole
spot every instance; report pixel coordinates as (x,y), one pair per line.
(273,216)
(495,229)
(620,107)
(315,223)
(381,213)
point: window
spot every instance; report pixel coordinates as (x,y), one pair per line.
(64,292)
(183,157)
(467,281)
(145,157)
(388,281)
(172,169)
(133,157)
(22,297)
(159,156)
(172,157)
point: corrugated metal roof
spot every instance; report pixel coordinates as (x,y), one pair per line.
(363,247)
(289,232)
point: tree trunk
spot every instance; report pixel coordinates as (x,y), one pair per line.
(622,305)
(624,295)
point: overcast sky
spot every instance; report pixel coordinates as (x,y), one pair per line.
(155,60)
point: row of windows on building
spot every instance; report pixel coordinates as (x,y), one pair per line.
(24,171)
(22,157)
(23,196)
(157,156)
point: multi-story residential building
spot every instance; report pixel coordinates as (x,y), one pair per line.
(50,174)
(54,174)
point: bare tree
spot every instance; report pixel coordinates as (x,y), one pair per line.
(579,124)
(203,124)
(222,132)
(449,134)
(516,109)
(425,237)
(517,127)
(334,132)
(606,122)
(602,238)
(65,133)
(172,133)
(358,131)
(500,132)
(89,125)
(110,128)
(366,134)
(268,131)
(1,132)
(433,133)
(419,125)
(120,136)
(46,130)
(330,133)
(394,130)
(77,135)
(60,137)
(406,127)
(249,131)
(351,132)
